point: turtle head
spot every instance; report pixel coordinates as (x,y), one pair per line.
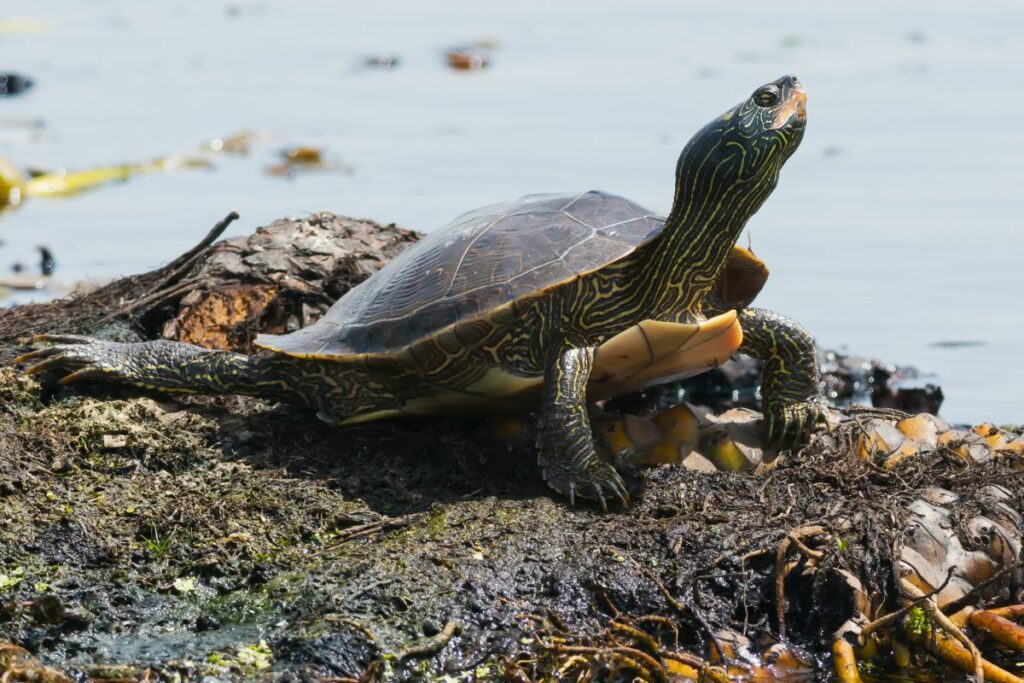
(733,162)
(773,116)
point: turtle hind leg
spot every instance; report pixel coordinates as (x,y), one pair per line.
(161,365)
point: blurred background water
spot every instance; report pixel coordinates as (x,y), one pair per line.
(895,232)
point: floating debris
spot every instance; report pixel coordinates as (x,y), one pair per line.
(64,183)
(304,158)
(382,61)
(23,283)
(957,343)
(303,155)
(30,122)
(47,263)
(14,84)
(22,280)
(12,185)
(467,58)
(239,143)
(16,185)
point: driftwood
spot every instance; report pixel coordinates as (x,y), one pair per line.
(219,294)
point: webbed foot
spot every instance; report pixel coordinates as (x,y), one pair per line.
(791,424)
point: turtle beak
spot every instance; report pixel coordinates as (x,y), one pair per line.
(796,105)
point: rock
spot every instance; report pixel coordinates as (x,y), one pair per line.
(698,463)
(878,440)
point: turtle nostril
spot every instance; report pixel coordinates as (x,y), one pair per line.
(794,81)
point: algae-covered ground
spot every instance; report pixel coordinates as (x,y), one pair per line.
(141,531)
(151,536)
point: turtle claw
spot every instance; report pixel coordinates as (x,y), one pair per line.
(603,482)
(63,338)
(31,356)
(73,353)
(791,425)
(597,481)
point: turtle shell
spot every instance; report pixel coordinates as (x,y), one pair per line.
(479,262)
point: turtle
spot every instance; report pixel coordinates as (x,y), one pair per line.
(546,303)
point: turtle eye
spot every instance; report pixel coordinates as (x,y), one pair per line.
(767,95)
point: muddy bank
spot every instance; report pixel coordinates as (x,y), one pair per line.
(234,537)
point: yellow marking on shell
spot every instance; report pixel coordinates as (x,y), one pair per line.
(362,417)
(659,352)
(499,383)
(351,359)
(454,403)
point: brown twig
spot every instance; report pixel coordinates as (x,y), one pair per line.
(663,621)
(631,656)
(513,671)
(844,662)
(429,646)
(942,622)
(638,635)
(971,595)
(165,287)
(180,265)
(704,669)
(795,537)
(893,617)
(1001,629)
(675,604)
(346,535)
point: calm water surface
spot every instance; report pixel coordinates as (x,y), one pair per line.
(897,225)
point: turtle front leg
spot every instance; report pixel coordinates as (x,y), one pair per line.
(567,456)
(790,385)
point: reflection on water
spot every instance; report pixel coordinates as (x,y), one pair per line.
(895,227)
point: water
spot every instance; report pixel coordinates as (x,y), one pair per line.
(896,226)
